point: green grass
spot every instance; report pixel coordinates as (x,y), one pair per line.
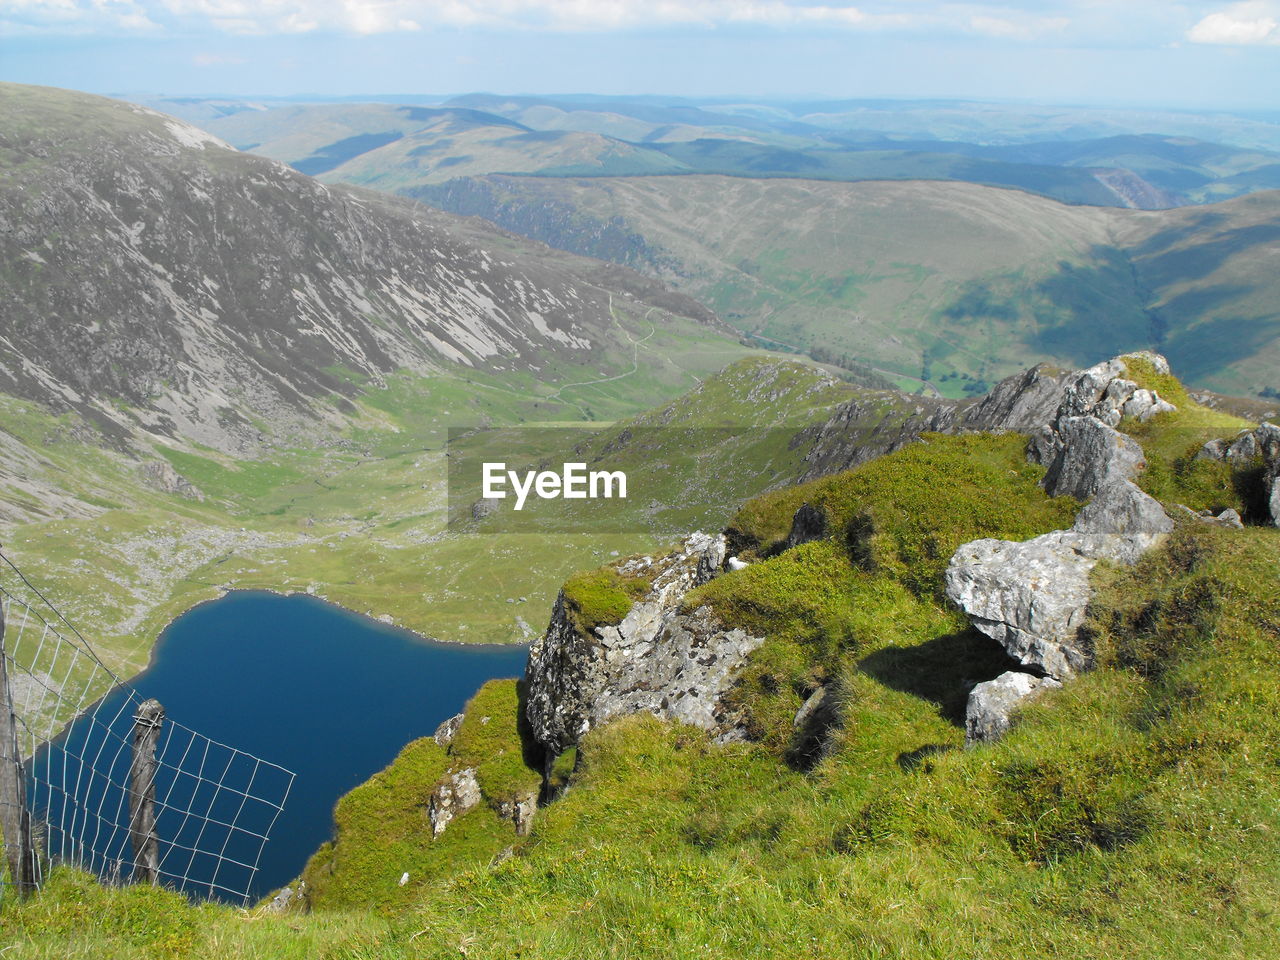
(1131,813)
(601,597)
(382,828)
(493,739)
(1134,812)
(1171,441)
(906,514)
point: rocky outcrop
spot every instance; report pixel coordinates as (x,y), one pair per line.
(1082,454)
(448,730)
(1032,596)
(992,704)
(1101,391)
(819,718)
(809,523)
(657,660)
(1260,448)
(453,796)
(1227,518)
(1079,446)
(287,900)
(161,475)
(878,423)
(520,811)
(1022,402)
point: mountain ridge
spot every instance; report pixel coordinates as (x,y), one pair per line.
(154,265)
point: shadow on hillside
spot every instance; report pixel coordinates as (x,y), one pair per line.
(534,755)
(1216,342)
(942,670)
(918,759)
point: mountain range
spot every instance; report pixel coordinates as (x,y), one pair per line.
(394,145)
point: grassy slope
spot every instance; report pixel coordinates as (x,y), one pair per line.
(1133,813)
(944,280)
(363,523)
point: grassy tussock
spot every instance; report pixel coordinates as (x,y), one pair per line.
(602,597)
(905,514)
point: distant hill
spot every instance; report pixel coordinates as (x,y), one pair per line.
(952,283)
(396,146)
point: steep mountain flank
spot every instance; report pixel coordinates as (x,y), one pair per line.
(157,280)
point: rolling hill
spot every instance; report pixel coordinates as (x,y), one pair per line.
(395,146)
(952,283)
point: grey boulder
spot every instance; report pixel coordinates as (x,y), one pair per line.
(1031,596)
(991,706)
(453,796)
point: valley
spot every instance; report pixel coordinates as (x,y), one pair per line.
(956,284)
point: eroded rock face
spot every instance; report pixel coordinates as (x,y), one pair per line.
(989,713)
(1083,454)
(1032,596)
(1079,446)
(161,475)
(448,730)
(453,796)
(878,423)
(657,660)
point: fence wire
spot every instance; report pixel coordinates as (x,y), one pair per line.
(215,806)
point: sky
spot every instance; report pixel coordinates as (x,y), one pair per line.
(1125,52)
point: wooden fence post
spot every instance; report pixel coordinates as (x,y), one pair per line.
(142,792)
(15,818)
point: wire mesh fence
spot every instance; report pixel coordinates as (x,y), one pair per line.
(111,785)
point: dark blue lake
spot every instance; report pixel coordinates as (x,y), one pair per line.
(310,687)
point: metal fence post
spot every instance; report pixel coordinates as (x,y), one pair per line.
(142,792)
(15,818)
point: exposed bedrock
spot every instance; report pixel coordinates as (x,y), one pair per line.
(657,660)
(1259,448)
(1032,596)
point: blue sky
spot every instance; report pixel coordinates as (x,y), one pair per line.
(1134,52)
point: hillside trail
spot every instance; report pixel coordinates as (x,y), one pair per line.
(635,360)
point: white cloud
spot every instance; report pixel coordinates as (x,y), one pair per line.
(386,16)
(1022,28)
(1241,24)
(1014,21)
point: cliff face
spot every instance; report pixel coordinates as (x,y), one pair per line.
(154,278)
(659,660)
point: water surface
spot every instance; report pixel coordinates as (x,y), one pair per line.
(319,690)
